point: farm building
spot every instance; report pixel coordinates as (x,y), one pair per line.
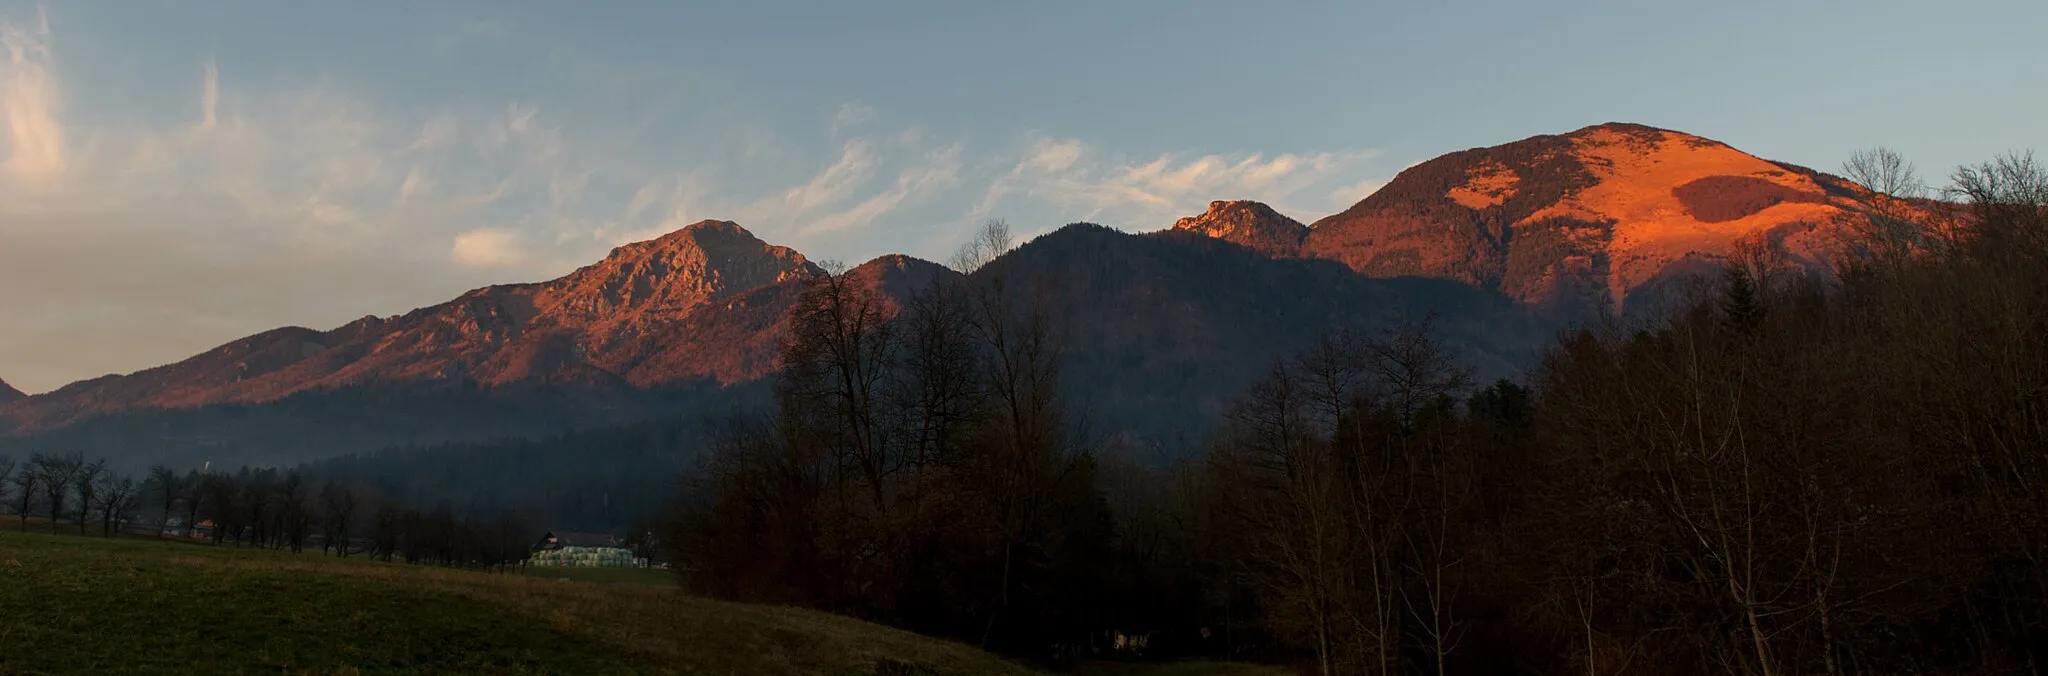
(562,548)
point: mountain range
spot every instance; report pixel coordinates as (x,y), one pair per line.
(1502,245)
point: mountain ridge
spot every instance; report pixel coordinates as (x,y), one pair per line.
(605,325)
(1566,226)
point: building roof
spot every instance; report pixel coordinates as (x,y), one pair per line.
(562,538)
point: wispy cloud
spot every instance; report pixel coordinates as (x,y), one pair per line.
(851,115)
(488,248)
(416,181)
(297,205)
(936,171)
(209,96)
(856,164)
(30,99)
(301,200)
(1084,182)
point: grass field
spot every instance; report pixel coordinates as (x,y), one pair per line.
(647,577)
(71,604)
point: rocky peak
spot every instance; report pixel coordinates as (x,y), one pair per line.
(1248,224)
(701,262)
(8,393)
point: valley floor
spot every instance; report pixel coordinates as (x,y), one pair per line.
(75,604)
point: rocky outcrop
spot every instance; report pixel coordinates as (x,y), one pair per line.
(1251,225)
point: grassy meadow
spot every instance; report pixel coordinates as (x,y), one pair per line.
(72,604)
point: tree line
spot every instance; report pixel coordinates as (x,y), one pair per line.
(919,467)
(1795,471)
(60,486)
(257,508)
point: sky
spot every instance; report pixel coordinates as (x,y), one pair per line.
(178,174)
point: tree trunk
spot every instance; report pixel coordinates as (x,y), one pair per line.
(1004,602)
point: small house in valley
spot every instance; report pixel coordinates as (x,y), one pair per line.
(592,550)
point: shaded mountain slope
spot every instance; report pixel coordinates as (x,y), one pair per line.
(1165,329)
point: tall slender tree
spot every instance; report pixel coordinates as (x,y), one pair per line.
(86,483)
(6,476)
(166,483)
(25,479)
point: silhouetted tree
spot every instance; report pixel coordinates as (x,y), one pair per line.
(338,514)
(56,472)
(26,478)
(85,482)
(117,499)
(6,476)
(165,482)
(196,487)
(222,501)
(1741,307)
(920,467)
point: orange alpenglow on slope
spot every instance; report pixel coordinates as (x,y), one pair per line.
(1610,217)
(1251,225)
(703,304)
(1599,217)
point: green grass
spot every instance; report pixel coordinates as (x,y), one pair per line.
(71,604)
(647,577)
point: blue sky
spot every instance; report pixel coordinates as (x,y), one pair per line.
(179,174)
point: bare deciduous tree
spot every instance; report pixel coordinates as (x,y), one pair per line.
(337,513)
(117,499)
(295,516)
(197,491)
(25,480)
(56,474)
(1885,172)
(6,475)
(989,242)
(2008,201)
(86,482)
(167,485)
(1893,228)
(220,494)
(256,500)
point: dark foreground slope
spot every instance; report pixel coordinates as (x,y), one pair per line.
(87,605)
(84,605)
